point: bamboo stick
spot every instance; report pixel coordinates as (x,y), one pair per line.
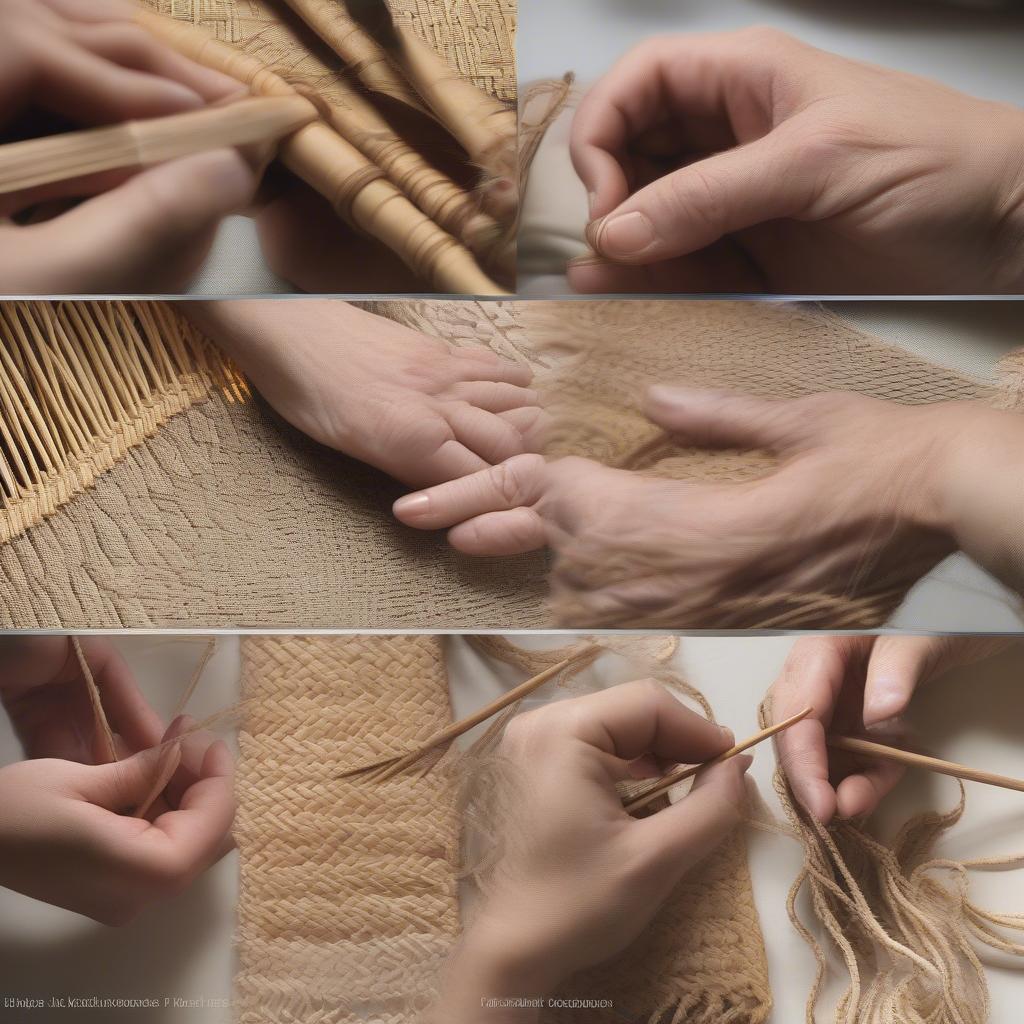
(107,751)
(36,162)
(336,169)
(456,729)
(664,784)
(482,125)
(868,748)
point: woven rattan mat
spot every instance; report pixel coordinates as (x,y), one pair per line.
(348,903)
(476,37)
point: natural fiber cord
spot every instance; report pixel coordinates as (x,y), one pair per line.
(900,918)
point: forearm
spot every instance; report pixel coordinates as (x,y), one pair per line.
(982,493)
(261,334)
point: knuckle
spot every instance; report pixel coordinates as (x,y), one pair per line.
(511,479)
(762,36)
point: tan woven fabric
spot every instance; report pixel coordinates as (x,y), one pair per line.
(701,961)
(476,37)
(181,500)
(348,902)
(616,349)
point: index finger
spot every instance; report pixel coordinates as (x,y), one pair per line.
(813,675)
(511,484)
(699,75)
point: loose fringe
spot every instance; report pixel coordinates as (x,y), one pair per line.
(906,934)
(81,383)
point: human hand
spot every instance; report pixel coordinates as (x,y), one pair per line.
(414,406)
(578,878)
(68,837)
(83,63)
(750,161)
(850,514)
(45,696)
(855,684)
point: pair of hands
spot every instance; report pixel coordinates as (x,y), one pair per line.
(579,878)
(749,161)
(67,834)
(85,63)
(862,487)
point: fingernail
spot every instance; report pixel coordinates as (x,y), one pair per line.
(662,394)
(411,506)
(727,735)
(887,699)
(621,234)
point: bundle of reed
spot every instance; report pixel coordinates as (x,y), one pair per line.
(355,186)
(34,162)
(366,36)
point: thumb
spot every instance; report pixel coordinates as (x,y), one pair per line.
(121,786)
(900,664)
(131,786)
(690,209)
(148,235)
(723,419)
(683,834)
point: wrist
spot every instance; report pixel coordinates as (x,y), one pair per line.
(1008,250)
(495,977)
(981,467)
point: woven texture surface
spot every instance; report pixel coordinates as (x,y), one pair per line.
(617,349)
(476,37)
(348,902)
(700,961)
(614,350)
(220,514)
(348,899)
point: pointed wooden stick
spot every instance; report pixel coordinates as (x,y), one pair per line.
(456,729)
(105,738)
(868,748)
(664,784)
(35,162)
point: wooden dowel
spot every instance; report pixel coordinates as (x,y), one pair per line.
(143,143)
(664,784)
(868,748)
(456,729)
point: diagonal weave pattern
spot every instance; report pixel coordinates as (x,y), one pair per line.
(348,902)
